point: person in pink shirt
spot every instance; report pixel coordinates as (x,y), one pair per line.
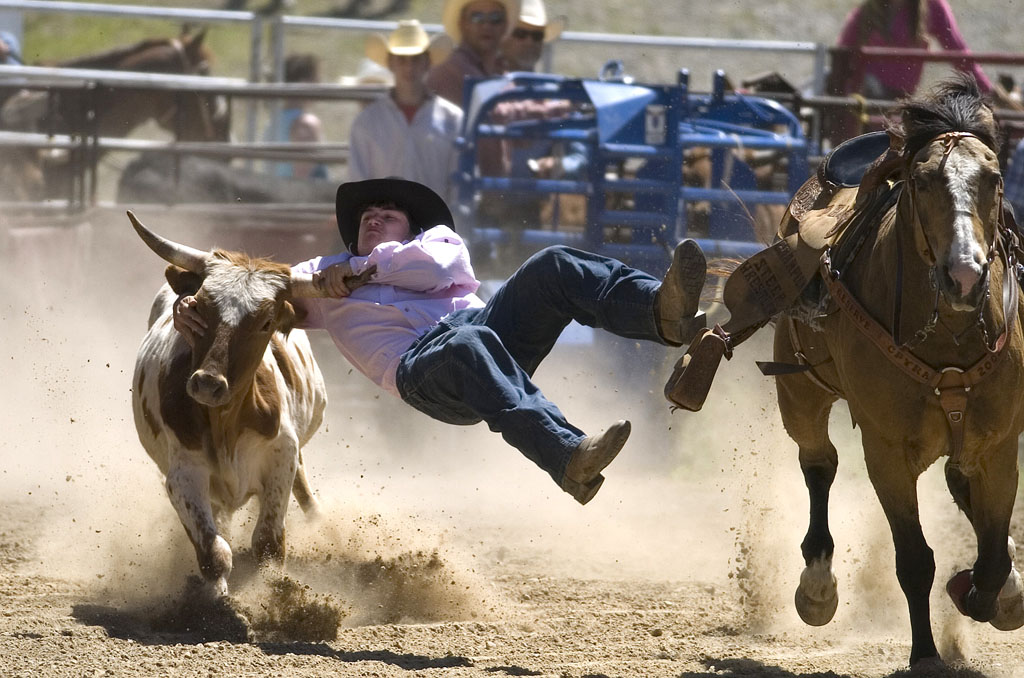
(896,23)
(420,332)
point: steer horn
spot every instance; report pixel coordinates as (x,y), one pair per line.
(302,284)
(182,256)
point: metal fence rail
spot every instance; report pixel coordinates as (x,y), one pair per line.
(172,13)
(280,24)
(86,148)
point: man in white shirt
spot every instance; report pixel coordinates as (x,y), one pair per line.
(410,132)
(419,331)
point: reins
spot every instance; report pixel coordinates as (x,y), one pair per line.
(950,384)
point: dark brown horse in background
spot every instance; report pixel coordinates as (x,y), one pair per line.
(189,116)
(921,336)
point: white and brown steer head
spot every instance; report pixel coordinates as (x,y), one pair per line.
(243,300)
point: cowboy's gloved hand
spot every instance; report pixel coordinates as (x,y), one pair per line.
(186,319)
(334,280)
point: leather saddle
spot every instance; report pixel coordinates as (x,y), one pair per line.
(851,185)
(852,180)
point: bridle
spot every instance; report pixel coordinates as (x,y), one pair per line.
(187,68)
(950,384)
(950,141)
(1003,240)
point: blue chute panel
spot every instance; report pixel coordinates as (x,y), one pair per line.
(622,110)
(630,189)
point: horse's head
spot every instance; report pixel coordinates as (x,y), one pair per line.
(954,188)
(191,116)
(186,54)
(208,116)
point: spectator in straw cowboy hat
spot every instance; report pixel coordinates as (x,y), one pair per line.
(410,132)
(477,27)
(523,47)
(521,51)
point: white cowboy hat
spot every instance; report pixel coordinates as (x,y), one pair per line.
(409,39)
(532,13)
(453,12)
(369,72)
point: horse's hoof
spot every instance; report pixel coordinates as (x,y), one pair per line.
(815,612)
(817,596)
(928,665)
(957,587)
(1010,604)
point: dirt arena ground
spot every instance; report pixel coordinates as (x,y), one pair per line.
(443,552)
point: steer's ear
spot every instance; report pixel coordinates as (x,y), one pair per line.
(290,316)
(182,281)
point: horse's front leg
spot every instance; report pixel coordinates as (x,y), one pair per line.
(992,590)
(895,484)
(805,409)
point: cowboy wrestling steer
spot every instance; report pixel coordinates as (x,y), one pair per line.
(226,420)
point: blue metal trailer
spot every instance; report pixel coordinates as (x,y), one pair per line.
(636,137)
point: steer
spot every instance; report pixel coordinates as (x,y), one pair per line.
(226,421)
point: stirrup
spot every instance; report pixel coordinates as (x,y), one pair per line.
(693,374)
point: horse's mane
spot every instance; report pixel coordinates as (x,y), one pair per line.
(955,105)
(111,58)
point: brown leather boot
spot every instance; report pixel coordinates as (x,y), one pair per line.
(583,477)
(676,303)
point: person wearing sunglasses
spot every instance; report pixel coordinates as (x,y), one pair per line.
(477,27)
(523,47)
(521,51)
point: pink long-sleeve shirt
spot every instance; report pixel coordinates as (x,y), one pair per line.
(904,76)
(417,283)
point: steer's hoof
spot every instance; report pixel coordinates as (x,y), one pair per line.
(1010,604)
(957,587)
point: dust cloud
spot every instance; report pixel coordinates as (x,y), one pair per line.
(416,511)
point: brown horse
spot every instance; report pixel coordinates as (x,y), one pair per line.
(190,116)
(921,336)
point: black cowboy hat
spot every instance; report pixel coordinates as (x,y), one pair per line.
(425,208)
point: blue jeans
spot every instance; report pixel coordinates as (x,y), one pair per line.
(476,364)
